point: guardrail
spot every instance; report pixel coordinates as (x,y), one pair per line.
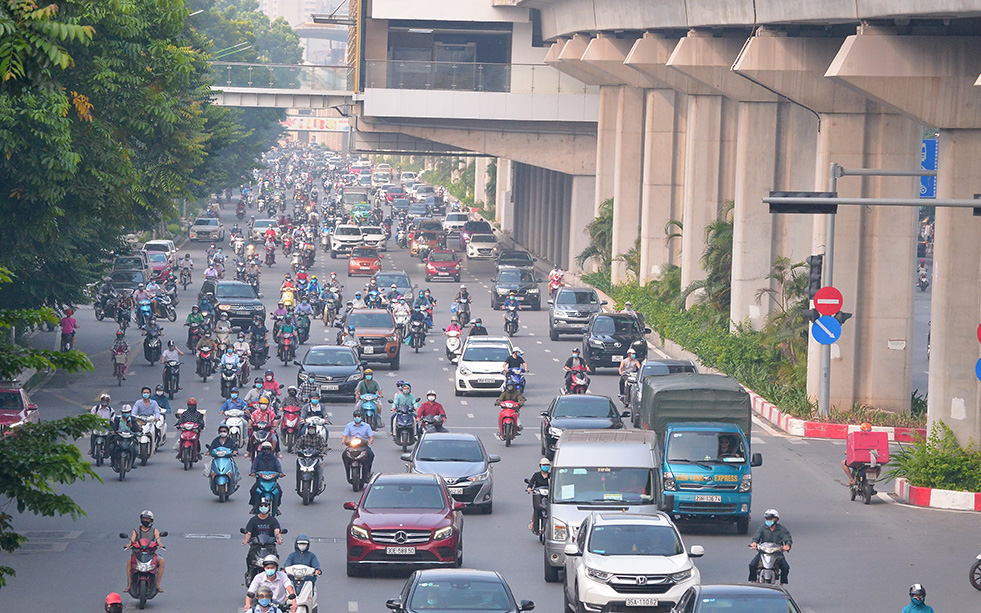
(471,76)
(283,76)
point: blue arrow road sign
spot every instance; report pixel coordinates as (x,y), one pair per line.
(928,161)
(977,369)
(826,330)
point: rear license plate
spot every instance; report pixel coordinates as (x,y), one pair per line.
(705,498)
(368,349)
(400,551)
(455,490)
(485,380)
(330,388)
(642,602)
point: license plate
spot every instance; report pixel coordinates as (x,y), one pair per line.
(642,602)
(616,358)
(368,349)
(705,498)
(400,551)
(330,388)
(455,490)
(485,380)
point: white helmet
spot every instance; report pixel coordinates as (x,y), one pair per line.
(771,513)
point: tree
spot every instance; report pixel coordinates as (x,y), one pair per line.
(715,289)
(600,231)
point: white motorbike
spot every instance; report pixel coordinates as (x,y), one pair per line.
(237,428)
(454,346)
(145,445)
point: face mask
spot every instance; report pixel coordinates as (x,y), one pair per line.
(357,420)
(222,435)
(263,509)
(269,378)
(431,398)
(146,395)
(146,523)
(229,352)
(270,572)
(264,602)
(369,377)
(258,385)
(314,401)
(916,602)
(234,395)
(769,523)
(302,547)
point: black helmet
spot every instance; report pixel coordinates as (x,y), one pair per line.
(438,421)
(917,591)
(357,413)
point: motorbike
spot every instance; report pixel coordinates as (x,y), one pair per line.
(224,477)
(240,272)
(302,328)
(223,336)
(261,432)
(260,352)
(287,347)
(144,311)
(540,499)
(124,453)
(105,307)
(405,428)
(356,456)
(401,319)
(454,346)
(260,546)
(165,307)
(768,570)
(170,290)
(578,381)
(508,419)
(865,477)
(100,440)
(369,408)
(287,297)
(270,257)
(463,311)
(143,576)
(205,363)
(145,447)
(628,389)
(374,299)
(417,335)
(511,320)
(554,283)
(235,421)
(151,346)
(303,586)
(253,281)
(229,379)
(123,317)
(922,282)
(975,575)
(325,241)
(330,308)
(296,261)
(269,489)
(516,376)
(310,482)
(190,433)
(185,278)
(290,428)
(119,366)
(240,211)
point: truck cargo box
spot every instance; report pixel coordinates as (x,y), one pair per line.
(680,398)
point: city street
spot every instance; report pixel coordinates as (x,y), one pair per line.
(847,556)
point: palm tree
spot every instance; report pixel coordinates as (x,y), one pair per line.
(786,326)
(715,288)
(600,232)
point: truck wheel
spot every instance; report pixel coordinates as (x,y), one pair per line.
(551,572)
(742,525)
(552,334)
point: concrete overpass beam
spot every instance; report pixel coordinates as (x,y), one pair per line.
(628,169)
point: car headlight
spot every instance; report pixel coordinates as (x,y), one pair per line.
(669,482)
(598,575)
(355,377)
(560,530)
(533,290)
(484,476)
(746,484)
(224,307)
(303,376)
(553,431)
(359,533)
(595,343)
(465,371)
(501,290)
(443,533)
(391,338)
(684,575)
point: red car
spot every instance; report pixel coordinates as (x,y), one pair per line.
(442,264)
(393,193)
(404,519)
(160,264)
(363,261)
(16,407)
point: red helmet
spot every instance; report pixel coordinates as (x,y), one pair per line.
(69,312)
(192,402)
(114,598)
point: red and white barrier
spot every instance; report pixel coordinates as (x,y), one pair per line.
(937,499)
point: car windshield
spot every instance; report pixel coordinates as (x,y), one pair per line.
(570,297)
(404,496)
(460,594)
(584,406)
(705,447)
(128,262)
(265,223)
(616,325)
(478,227)
(370,320)
(516,276)
(400,202)
(235,291)
(157,257)
(442,450)
(363,252)
(665,369)
(597,485)
(164,247)
(329,357)
(479,353)
(424,189)
(387,279)
(745,603)
(354,198)
(483,238)
(518,257)
(430,225)
(205,221)
(126,277)
(456,217)
(9,401)
(371,230)
(348,231)
(442,257)
(634,540)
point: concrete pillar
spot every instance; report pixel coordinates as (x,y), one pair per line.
(504,201)
(628,169)
(562,256)
(582,198)
(664,154)
(541,209)
(955,396)
(480,180)
(606,139)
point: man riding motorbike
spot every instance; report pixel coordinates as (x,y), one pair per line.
(512,393)
(191,415)
(265,461)
(771,532)
(574,361)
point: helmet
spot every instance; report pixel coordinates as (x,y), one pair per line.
(147,514)
(105,397)
(351,327)
(509,385)
(263,400)
(627,303)
(269,373)
(438,421)
(170,344)
(477,321)
(140,286)
(511,293)
(192,402)
(114,598)
(544,462)
(368,371)
(431,393)
(631,351)
(270,559)
(357,413)
(304,540)
(866,427)
(159,388)
(224,315)
(195,307)
(917,590)
(463,287)
(120,334)
(394,286)
(69,312)
(575,350)
(126,408)
(771,513)
(266,445)
(264,590)
(291,390)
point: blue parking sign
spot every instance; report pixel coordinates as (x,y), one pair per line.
(929,156)
(826,330)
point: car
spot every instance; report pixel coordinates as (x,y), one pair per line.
(524,283)
(163,246)
(456,590)
(237,299)
(16,407)
(424,241)
(608,336)
(417,209)
(374,236)
(463,464)
(127,280)
(408,176)
(658,368)
(344,238)
(159,264)
(453,222)
(481,365)
(393,193)
(741,598)
(206,229)
(376,331)
(481,246)
(261,226)
(577,412)
(364,261)
(569,311)
(473,227)
(443,264)
(421,192)
(400,279)
(134,260)
(400,204)
(513,258)
(426,224)
(336,370)
(404,519)
(627,560)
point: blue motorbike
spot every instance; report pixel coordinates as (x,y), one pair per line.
(269,489)
(144,312)
(369,410)
(516,376)
(224,473)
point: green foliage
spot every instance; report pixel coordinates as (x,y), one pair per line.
(491,191)
(31,38)
(600,231)
(461,188)
(631,259)
(787,325)
(34,460)
(939,461)
(715,289)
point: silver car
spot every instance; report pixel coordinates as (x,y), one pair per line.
(570,309)
(206,229)
(463,464)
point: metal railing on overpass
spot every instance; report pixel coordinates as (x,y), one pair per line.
(472,76)
(283,76)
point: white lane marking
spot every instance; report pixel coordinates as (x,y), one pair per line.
(463,402)
(757,441)
(884,497)
(549,351)
(555,359)
(352,606)
(796,441)
(446,369)
(470,415)
(524,327)
(539,342)
(330,414)
(538,435)
(440,359)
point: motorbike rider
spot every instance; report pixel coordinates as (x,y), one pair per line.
(269,383)
(146,407)
(265,461)
(463,294)
(301,554)
(140,294)
(265,412)
(120,346)
(772,531)
(511,392)
(145,531)
(312,408)
(105,411)
(430,408)
(171,353)
(211,273)
(206,341)
(629,309)
(538,480)
(629,366)
(253,271)
(418,315)
(368,385)
(477,329)
(392,295)
(260,523)
(230,358)
(512,300)
(304,308)
(191,415)
(357,428)
(350,338)
(151,327)
(313,288)
(223,440)
(255,393)
(917,600)
(270,586)
(186,263)
(404,398)
(574,361)
(515,361)
(454,325)
(233,402)
(358,302)
(106,291)
(241,347)
(124,422)
(160,397)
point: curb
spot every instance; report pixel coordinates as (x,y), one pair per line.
(936,498)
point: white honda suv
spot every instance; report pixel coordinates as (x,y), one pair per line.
(625,561)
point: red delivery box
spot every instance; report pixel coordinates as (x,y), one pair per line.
(858,449)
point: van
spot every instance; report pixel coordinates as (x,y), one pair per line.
(596,470)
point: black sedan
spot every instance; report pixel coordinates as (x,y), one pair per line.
(608,336)
(337,370)
(516,259)
(736,599)
(457,590)
(463,464)
(522,282)
(577,412)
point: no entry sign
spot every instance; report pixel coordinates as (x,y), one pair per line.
(827,301)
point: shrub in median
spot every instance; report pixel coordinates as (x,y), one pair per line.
(939,462)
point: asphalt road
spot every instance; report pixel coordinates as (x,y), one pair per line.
(847,556)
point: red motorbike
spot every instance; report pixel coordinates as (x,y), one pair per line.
(287,347)
(507,421)
(579,380)
(261,432)
(190,444)
(555,281)
(291,425)
(206,363)
(143,569)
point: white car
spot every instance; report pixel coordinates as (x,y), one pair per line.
(405,177)
(453,222)
(374,236)
(481,365)
(261,226)
(630,560)
(344,238)
(482,246)
(166,247)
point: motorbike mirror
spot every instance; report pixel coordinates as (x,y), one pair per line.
(123,535)
(756,460)
(350,506)
(459,506)
(364,364)
(394,604)
(526,605)
(236,328)
(528,481)
(624,414)
(406,457)
(390,401)
(260,295)
(283,531)
(164,533)
(242,530)
(550,302)
(647,330)
(280,386)
(338,324)
(297,363)
(697,551)
(604,303)
(544,413)
(492,458)
(572,550)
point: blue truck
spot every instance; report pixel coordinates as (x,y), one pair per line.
(703,425)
